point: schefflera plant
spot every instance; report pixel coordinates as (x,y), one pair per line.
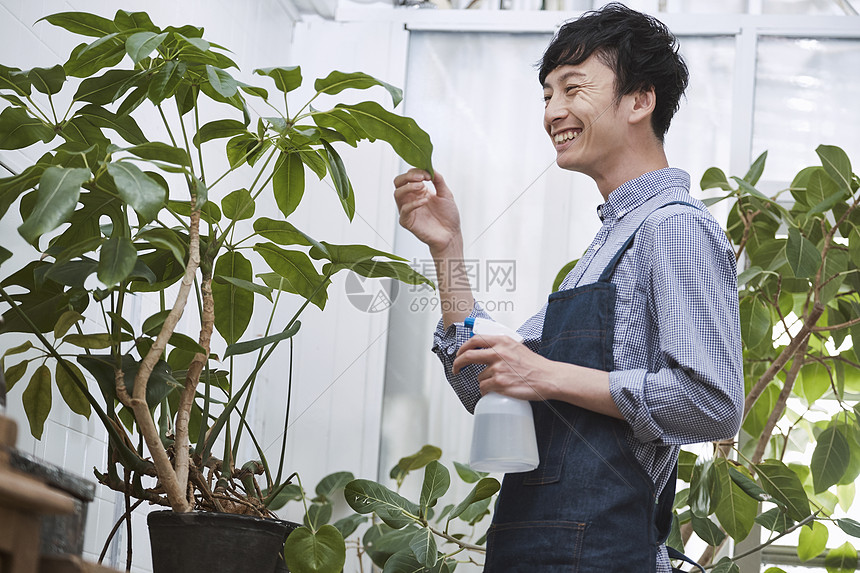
(132,204)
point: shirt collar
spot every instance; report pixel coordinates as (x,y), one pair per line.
(637,191)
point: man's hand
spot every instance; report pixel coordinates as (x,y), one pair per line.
(511,368)
(432,217)
(514,370)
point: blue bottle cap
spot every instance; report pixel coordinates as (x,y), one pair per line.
(469,322)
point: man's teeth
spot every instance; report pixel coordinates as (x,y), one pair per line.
(562,137)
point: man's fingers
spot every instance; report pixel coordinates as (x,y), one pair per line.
(412,175)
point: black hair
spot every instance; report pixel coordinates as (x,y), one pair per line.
(640,49)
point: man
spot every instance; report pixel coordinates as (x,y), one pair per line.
(639,351)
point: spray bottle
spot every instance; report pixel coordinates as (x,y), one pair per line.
(504,434)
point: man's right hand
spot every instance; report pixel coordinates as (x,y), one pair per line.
(432,217)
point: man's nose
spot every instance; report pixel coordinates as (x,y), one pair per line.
(554,110)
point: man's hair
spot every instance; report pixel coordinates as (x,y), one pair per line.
(641,51)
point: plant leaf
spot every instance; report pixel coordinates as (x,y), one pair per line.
(315,552)
(238,205)
(219,129)
(252,345)
(141,44)
(18,129)
(233,306)
(837,165)
(288,182)
(756,169)
(437,480)
(336,82)
(408,140)
(830,459)
(125,126)
(108,87)
(47,80)
(365,496)
(812,542)
(296,268)
(843,559)
(138,189)
(735,511)
(803,257)
(37,400)
(221,81)
(423,546)
(70,391)
(484,489)
(341,182)
(715,178)
(783,484)
(280,232)
(82,23)
(286,79)
(58,192)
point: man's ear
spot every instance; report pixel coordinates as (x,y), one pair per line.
(644,102)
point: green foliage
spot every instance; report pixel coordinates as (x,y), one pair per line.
(118,207)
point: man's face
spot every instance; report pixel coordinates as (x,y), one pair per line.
(582,118)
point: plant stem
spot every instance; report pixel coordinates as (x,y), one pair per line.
(811,517)
(456,541)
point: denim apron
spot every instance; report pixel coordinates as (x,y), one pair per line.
(589,507)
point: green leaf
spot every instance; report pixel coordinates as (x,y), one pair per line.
(137,189)
(65,322)
(37,400)
(830,459)
(736,510)
(843,559)
(18,129)
(277,282)
(257,343)
(158,151)
(725,565)
(125,126)
(837,165)
(423,546)
(382,269)
(341,182)
(349,524)
(219,129)
(233,306)
(108,87)
(783,484)
(562,273)
(812,542)
(71,391)
(221,81)
(246,285)
(14,373)
(822,192)
(87,59)
(119,321)
(141,45)
(484,489)
(755,321)
(296,268)
(126,21)
(16,80)
(756,169)
(775,519)
(467,474)
(21,348)
(58,192)
(408,140)
(336,82)
(323,551)
(418,460)
(47,80)
(286,79)
(318,514)
(741,478)
(93,341)
(365,496)
(332,484)
(165,81)
(437,480)
(288,182)
(715,178)
(280,232)
(348,253)
(849,526)
(82,23)
(803,257)
(238,205)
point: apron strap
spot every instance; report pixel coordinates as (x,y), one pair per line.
(607,273)
(675,554)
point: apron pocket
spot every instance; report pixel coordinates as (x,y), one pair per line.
(553,423)
(534,546)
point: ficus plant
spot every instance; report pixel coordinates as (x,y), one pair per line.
(798,251)
(119,204)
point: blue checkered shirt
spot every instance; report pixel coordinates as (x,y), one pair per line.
(678,376)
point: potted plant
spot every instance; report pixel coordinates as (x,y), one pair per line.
(121,204)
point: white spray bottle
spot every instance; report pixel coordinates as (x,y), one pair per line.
(503,439)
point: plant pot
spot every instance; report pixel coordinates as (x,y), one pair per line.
(210,542)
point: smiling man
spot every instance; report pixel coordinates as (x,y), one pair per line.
(639,351)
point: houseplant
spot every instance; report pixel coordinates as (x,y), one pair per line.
(799,295)
(121,213)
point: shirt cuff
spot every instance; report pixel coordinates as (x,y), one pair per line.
(448,341)
(627,389)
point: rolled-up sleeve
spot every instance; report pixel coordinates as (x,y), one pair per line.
(697,392)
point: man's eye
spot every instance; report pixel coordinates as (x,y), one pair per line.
(571,89)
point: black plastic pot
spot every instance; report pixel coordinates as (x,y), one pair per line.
(208,542)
